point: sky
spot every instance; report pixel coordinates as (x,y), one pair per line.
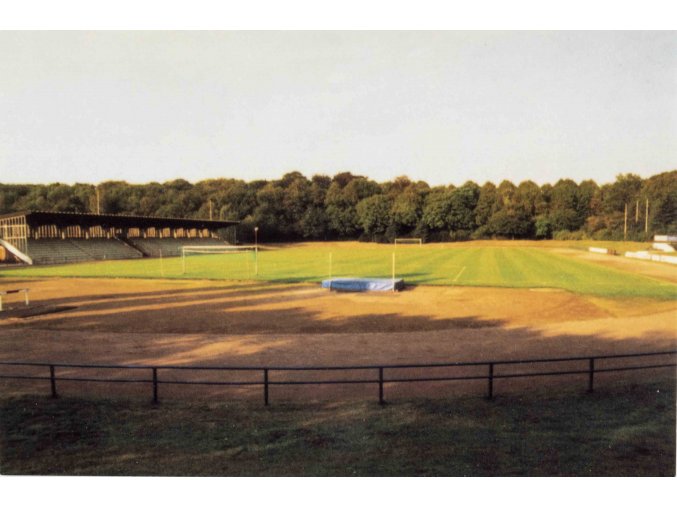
(443,107)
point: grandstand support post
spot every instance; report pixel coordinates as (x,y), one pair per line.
(183,261)
(162,265)
(591,375)
(380,386)
(52,381)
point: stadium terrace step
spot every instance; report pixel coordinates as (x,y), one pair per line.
(170,247)
(59,251)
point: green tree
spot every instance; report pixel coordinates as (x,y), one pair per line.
(462,203)
(373,215)
(436,209)
(625,190)
(661,192)
(563,207)
(528,198)
(488,203)
(341,202)
(509,222)
(407,208)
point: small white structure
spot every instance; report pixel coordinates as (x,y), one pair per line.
(648,256)
(663,247)
(14,291)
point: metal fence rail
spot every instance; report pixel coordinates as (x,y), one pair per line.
(491,376)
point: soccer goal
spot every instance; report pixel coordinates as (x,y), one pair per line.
(408,241)
(243,262)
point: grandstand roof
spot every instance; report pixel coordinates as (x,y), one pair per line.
(38,218)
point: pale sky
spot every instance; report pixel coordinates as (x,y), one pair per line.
(443,107)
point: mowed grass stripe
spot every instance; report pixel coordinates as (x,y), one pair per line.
(606,280)
(565,273)
(458,264)
(428,267)
(489,266)
(509,269)
(482,268)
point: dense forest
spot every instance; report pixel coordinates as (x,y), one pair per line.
(348,206)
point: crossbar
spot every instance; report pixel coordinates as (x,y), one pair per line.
(14,291)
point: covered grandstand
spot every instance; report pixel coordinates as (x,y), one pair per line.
(45,237)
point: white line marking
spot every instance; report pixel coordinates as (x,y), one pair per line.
(459,274)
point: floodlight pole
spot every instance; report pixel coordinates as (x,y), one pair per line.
(637,211)
(256,251)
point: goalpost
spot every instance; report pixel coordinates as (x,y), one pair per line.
(247,251)
(408,241)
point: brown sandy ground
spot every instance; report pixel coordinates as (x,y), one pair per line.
(211,323)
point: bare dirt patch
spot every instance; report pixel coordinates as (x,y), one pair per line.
(149,306)
(193,322)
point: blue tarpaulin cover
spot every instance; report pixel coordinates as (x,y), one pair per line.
(363,284)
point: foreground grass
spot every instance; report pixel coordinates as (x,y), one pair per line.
(626,430)
(471,264)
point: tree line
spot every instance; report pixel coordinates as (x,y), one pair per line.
(349,206)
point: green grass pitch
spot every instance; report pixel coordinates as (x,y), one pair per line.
(481,266)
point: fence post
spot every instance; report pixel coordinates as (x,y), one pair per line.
(490,395)
(52,381)
(265,386)
(380,386)
(591,375)
(155,397)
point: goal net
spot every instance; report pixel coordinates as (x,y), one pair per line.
(217,261)
(408,241)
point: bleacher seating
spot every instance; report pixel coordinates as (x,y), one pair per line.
(55,251)
(170,247)
(106,249)
(58,251)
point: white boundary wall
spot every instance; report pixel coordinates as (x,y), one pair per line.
(663,247)
(652,257)
(665,239)
(595,249)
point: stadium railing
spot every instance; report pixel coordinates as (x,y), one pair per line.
(592,369)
